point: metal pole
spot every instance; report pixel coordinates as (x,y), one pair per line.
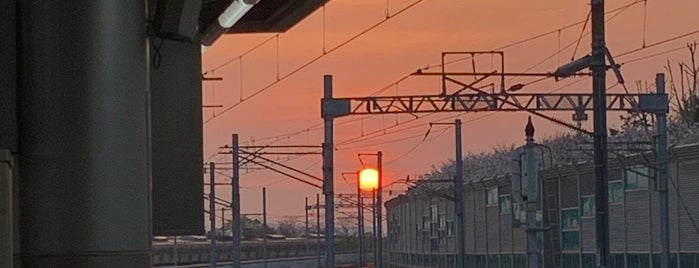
(661,155)
(373,224)
(379,214)
(360,223)
(212,213)
(328,188)
(235,204)
(264,226)
(459,197)
(530,174)
(223,219)
(599,67)
(177,258)
(318,227)
(305,208)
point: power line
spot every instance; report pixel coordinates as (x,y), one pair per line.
(265,88)
(314,127)
(617,10)
(398,81)
(384,133)
(659,43)
(544,34)
(628,53)
(364,138)
(654,55)
(414,147)
(383,142)
(577,42)
(239,57)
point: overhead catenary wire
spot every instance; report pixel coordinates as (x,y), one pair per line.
(576,42)
(318,126)
(388,133)
(382,132)
(623,54)
(618,10)
(239,57)
(381,143)
(645,18)
(676,37)
(313,60)
(634,51)
(664,52)
(542,34)
(409,151)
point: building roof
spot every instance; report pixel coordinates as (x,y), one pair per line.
(267,16)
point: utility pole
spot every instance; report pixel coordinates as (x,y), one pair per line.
(328,185)
(661,154)
(373,225)
(459,196)
(212,213)
(318,227)
(599,68)
(264,226)
(360,223)
(235,205)
(379,216)
(305,209)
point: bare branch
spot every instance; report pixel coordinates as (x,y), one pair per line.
(677,105)
(682,72)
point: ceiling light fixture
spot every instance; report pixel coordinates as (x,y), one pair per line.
(226,20)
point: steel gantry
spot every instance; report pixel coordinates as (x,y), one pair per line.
(497,102)
(488,102)
(598,101)
(482,101)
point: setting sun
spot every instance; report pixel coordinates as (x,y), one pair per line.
(368,179)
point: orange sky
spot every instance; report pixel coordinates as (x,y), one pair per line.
(411,40)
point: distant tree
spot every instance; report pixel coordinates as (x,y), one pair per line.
(683,128)
(344,226)
(289,228)
(683,123)
(250,227)
(683,99)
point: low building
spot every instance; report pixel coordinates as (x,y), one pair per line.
(422,230)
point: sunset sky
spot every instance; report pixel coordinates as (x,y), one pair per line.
(402,44)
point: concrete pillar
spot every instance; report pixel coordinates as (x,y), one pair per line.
(83,128)
(6,209)
(8,115)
